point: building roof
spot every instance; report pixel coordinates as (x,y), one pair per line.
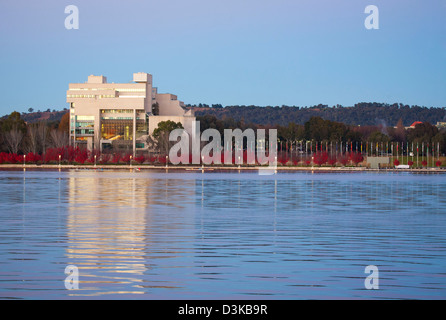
(415,123)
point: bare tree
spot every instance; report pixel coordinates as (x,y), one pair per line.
(33,139)
(59,138)
(13,139)
(43,135)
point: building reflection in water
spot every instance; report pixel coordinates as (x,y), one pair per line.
(113,231)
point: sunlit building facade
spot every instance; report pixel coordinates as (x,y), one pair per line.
(120,115)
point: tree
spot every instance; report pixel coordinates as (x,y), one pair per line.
(15,121)
(33,138)
(156,109)
(42,131)
(59,138)
(161,135)
(423,132)
(378,136)
(30,110)
(13,139)
(64,124)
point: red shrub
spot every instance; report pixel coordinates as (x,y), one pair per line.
(332,161)
(320,158)
(140,159)
(343,159)
(116,157)
(105,158)
(81,156)
(357,158)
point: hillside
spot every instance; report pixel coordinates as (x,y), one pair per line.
(360,114)
(48,116)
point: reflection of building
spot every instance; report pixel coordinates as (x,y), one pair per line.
(116,238)
(120,114)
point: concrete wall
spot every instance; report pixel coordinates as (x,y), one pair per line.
(377,162)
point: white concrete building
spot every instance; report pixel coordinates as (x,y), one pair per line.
(121,115)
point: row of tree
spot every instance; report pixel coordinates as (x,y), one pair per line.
(17,136)
(363,114)
(318,129)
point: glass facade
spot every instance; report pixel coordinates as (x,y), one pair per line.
(118,129)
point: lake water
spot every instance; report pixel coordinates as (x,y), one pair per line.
(220,235)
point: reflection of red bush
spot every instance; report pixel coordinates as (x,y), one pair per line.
(410,163)
(438,163)
(396,162)
(424,163)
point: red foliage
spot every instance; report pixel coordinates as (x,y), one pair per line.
(33,158)
(320,158)
(410,163)
(126,158)
(332,161)
(9,158)
(162,159)
(356,157)
(424,163)
(343,159)
(105,158)
(116,157)
(81,156)
(51,155)
(140,159)
(151,159)
(438,163)
(91,155)
(396,162)
(283,159)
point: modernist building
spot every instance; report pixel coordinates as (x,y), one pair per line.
(120,115)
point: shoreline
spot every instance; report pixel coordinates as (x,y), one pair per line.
(192,168)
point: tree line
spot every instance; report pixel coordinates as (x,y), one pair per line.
(18,136)
(363,114)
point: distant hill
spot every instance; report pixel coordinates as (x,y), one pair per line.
(360,114)
(48,116)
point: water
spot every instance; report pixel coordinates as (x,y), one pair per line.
(193,235)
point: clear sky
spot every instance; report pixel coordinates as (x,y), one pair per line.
(293,52)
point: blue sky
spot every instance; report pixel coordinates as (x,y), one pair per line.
(230,52)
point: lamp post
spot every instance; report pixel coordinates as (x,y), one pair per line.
(131,157)
(60,156)
(167,161)
(24,160)
(95,160)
